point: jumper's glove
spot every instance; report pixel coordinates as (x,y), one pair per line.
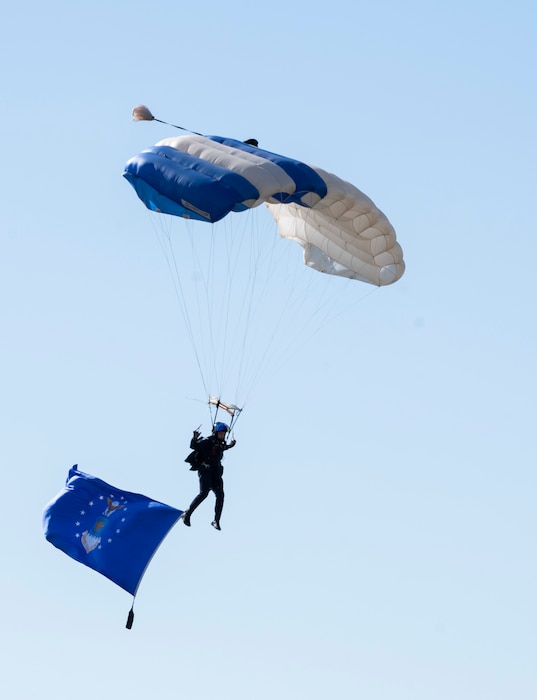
(233,443)
(196,434)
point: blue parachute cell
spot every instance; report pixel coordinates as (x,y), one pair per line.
(172,182)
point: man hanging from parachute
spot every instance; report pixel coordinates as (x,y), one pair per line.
(206,459)
(207,178)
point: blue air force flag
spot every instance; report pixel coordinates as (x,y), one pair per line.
(112,531)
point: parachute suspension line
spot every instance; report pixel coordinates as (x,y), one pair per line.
(225,283)
(261,288)
(292,329)
(206,304)
(266,261)
(210,300)
(230,311)
(246,309)
(219,309)
(283,326)
(259,247)
(264,252)
(206,274)
(235,269)
(239,334)
(304,329)
(204,308)
(171,261)
(329,303)
(327,321)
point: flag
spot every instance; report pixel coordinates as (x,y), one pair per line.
(112,531)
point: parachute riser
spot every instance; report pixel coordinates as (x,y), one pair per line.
(230,409)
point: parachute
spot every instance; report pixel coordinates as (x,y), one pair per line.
(202,180)
(206,178)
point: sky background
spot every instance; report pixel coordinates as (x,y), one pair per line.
(378,536)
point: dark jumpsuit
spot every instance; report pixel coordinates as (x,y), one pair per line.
(210,452)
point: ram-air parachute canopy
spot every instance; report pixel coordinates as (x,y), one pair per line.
(207,177)
(246,306)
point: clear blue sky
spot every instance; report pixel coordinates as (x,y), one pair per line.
(379,531)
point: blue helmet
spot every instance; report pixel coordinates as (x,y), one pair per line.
(220,428)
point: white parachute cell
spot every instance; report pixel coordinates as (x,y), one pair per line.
(343,234)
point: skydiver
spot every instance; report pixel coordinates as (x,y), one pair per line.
(206,459)
(252,142)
